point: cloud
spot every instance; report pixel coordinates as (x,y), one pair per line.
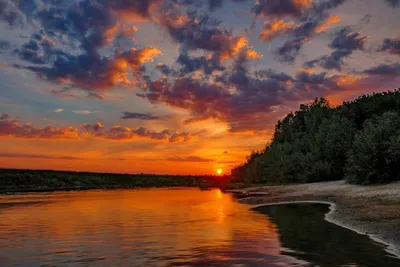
(189,159)
(94,95)
(384,70)
(214,4)
(84,112)
(33,156)
(246,101)
(134,10)
(93,72)
(10,127)
(59,110)
(281,8)
(4,45)
(393,3)
(344,43)
(139,116)
(89,26)
(390,45)
(314,21)
(275,28)
(64,93)
(196,31)
(9,13)
(118,133)
(190,64)
(327,23)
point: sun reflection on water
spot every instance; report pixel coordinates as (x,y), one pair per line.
(135,227)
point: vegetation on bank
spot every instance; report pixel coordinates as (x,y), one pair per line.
(358,141)
(13,180)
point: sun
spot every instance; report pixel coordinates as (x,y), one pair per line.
(219,171)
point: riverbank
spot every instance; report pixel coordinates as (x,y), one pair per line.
(371,210)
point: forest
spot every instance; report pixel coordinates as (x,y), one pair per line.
(358,141)
(13,180)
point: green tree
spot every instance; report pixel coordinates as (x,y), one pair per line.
(375,153)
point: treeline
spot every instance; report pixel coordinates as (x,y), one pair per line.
(13,180)
(358,141)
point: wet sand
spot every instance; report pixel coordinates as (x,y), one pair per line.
(371,210)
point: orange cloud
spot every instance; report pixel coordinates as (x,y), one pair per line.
(119,133)
(135,11)
(9,127)
(13,128)
(128,32)
(274,28)
(234,46)
(326,24)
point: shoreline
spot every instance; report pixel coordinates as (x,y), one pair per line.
(368,210)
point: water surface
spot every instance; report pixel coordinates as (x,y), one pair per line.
(173,227)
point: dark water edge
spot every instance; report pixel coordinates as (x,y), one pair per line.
(305,235)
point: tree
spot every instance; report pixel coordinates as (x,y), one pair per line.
(375,155)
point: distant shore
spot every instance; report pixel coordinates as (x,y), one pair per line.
(22,181)
(371,210)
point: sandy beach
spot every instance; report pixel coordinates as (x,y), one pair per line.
(371,210)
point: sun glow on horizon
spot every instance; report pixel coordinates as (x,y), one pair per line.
(219,171)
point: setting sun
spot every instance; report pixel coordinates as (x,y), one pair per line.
(219,171)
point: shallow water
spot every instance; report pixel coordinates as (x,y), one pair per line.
(173,227)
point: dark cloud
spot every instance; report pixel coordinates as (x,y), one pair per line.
(390,45)
(33,156)
(191,64)
(4,45)
(214,4)
(88,26)
(344,43)
(281,8)
(197,31)
(139,116)
(290,49)
(68,47)
(92,71)
(243,99)
(200,31)
(346,39)
(165,70)
(384,70)
(189,159)
(27,7)
(314,21)
(9,13)
(211,4)
(32,53)
(393,3)
(271,74)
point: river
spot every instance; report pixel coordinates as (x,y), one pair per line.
(173,227)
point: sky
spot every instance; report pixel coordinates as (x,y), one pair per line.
(178,86)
